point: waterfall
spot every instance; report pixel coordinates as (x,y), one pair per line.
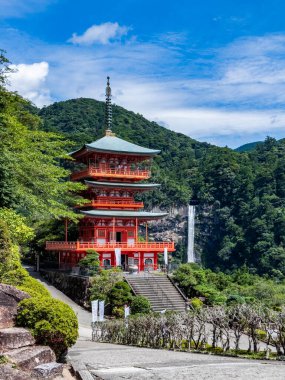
(191,231)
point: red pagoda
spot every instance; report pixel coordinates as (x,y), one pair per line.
(113,171)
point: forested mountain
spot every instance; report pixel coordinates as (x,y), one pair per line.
(240,196)
(248,147)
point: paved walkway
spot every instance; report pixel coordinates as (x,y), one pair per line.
(116,362)
(84,316)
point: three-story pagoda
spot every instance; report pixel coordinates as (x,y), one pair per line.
(113,171)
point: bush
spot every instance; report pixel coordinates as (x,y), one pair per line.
(90,261)
(5,248)
(261,334)
(103,282)
(140,305)
(118,312)
(21,279)
(196,303)
(120,295)
(51,321)
(33,287)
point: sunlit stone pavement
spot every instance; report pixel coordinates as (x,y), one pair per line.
(110,362)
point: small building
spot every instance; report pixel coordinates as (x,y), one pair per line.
(113,172)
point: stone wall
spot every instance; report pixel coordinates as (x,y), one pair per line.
(75,287)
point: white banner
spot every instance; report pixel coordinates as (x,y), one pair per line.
(118,256)
(165,256)
(94,305)
(127,311)
(101,310)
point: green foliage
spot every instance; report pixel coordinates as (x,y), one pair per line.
(140,305)
(31,181)
(5,248)
(261,334)
(196,303)
(51,321)
(3,359)
(90,261)
(120,295)
(103,282)
(20,232)
(231,289)
(118,312)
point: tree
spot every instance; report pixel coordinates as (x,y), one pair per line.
(90,261)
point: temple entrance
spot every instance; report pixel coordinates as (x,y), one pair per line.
(118,237)
(124,262)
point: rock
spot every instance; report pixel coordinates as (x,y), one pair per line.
(27,358)
(47,370)
(7,317)
(15,337)
(9,298)
(7,372)
(13,293)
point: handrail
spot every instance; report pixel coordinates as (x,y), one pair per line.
(119,202)
(78,245)
(177,288)
(114,172)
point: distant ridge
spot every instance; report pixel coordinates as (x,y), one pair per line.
(248,147)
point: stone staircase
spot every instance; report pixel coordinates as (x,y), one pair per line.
(159,290)
(21,358)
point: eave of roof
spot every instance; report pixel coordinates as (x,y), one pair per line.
(113,144)
(124,214)
(116,185)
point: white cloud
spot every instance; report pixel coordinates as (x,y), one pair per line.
(102,34)
(238,98)
(29,81)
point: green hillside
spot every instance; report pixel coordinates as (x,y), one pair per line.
(82,120)
(248,147)
(241,197)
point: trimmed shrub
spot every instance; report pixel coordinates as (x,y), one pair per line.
(90,262)
(51,321)
(33,287)
(120,295)
(21,279)
(140,305)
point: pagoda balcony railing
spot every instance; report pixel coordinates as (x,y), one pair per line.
(137,174)
(108,203)
(82,246)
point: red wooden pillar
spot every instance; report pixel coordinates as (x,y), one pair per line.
(114,240)
(136,230)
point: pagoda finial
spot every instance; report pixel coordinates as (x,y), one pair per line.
(108,107)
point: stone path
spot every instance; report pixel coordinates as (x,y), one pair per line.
(116,362)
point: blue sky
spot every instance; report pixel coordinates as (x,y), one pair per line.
(212,69)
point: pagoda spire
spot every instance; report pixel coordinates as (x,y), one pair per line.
(108,107)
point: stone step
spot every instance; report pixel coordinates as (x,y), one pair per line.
(7,317)
(15,337)
(160,292)
(48,371)
(27,358)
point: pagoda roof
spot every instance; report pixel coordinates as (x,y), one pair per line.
(113,144)
(124,214)
(116,185)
